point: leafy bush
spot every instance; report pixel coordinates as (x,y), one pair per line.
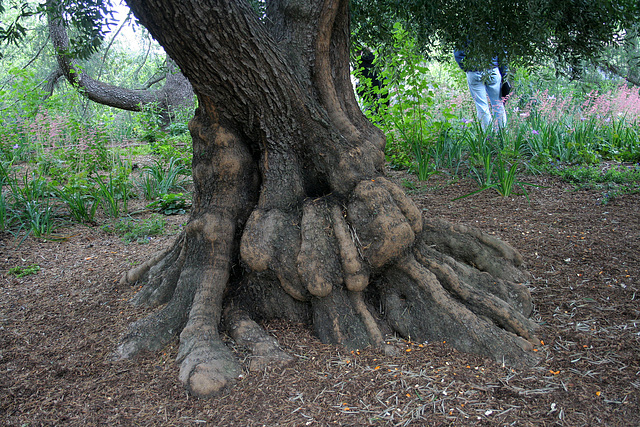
(114,192)
(30,207)
(178,147)
(171,204)
(403,108)
(81,201)
(160,178)
(168,134)
(39,217)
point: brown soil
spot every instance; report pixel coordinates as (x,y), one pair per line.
(58,327)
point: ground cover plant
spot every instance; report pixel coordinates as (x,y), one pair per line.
(139,231)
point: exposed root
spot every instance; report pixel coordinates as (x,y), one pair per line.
(355,270)
(382,228)
(138,273)
(481,303)
(262,295)
(475,248)
(373,328)
(208,368)
(318,263)
(153,332)
(330,248)
(515,294)
(405,204)
(418,306)
(265,350)
(207,365)
(161,277)
(459,284)
(270,242)
(332,266)
(337,320)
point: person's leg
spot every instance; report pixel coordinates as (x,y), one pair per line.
(479,95)
(493,85)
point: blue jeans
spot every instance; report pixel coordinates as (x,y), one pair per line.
(483,85)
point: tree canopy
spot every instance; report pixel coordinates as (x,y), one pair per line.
(530,31)
(90,21)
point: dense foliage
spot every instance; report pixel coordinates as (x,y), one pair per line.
(90,20)
(553,122)
(528,31)
(566,30)
(65,159)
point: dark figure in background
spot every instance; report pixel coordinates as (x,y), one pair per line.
(370,93)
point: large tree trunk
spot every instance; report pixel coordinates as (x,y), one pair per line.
(292,216)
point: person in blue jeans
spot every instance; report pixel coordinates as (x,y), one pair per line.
(484,86)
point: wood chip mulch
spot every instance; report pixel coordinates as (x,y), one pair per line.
(59,326)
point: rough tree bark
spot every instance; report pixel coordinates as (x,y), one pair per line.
(292,215)
(617,71)
(176,91)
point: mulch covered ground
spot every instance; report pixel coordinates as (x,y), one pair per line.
(58,327)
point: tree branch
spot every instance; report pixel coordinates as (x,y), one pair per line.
(50,82)
(97,91)
(613,69)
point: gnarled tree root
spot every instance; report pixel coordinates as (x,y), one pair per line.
(356,273)
(418,305)
(265,350)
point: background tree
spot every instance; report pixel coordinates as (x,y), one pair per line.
(292,216)
(624,60)
(82,58)
(176,91)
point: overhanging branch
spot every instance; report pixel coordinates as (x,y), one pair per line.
(100,92)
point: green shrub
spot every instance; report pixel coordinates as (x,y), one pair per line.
(171,204)
(162,178)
